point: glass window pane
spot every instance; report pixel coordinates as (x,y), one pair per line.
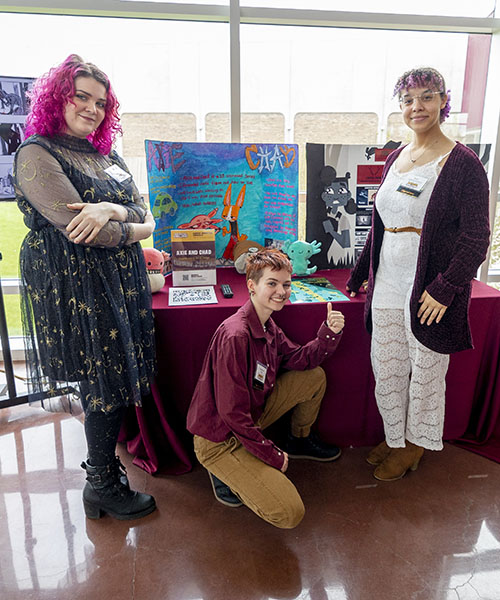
(335,85)
(480,8)
(13,314)
(255,127)
(167,76)
(12,232)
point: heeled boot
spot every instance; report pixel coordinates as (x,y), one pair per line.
(399,461)
(377,455)
(105,492)
(121,471)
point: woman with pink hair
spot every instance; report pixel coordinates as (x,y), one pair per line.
(86,302)
(430,234)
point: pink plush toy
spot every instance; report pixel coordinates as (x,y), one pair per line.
(156,263)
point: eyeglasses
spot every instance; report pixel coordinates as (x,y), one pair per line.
(425,98)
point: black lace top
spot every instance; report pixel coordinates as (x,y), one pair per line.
(86,308)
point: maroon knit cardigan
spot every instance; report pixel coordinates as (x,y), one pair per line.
(453,244)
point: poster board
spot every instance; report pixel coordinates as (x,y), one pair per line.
(14,106)
(342,181)
(241,191)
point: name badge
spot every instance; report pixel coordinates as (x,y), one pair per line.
(413,186)
(259,377)
(117,174)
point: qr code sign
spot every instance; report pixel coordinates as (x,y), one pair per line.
(193,295)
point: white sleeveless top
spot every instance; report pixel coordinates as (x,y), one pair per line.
(399,252)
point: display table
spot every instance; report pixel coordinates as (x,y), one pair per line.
(156,433)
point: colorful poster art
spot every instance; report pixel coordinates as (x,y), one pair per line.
(315,289)
(241,191)
(342,183)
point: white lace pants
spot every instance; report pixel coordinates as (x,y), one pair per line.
(409,382)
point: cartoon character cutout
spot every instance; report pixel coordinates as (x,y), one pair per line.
(230,214)
(203,222)
(387,148)
(339,205)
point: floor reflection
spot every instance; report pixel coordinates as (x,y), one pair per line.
(438,529)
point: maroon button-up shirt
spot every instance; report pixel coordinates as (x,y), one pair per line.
(227,400)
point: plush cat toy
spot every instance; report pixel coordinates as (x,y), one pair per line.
(156,263)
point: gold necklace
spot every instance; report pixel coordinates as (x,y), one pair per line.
(413,161)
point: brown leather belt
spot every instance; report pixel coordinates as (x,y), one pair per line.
(402,229)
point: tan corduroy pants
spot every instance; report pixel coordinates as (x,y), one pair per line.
(264,489)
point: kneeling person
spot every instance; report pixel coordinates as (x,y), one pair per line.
(241,392)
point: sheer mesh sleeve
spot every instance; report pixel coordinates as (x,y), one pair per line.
(47,188)
(136,212)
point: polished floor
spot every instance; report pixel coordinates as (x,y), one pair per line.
(434,535)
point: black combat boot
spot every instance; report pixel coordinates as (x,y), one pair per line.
(105,492)
(119,468)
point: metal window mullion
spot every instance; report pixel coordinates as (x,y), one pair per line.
(10,286)
(490,133)
(235,72)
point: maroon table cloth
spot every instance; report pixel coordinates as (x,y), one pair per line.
(156,433)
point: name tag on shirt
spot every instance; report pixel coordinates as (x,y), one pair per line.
(259,377)
(117,174)
(413,185)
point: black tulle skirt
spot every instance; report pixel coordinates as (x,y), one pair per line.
(87,318)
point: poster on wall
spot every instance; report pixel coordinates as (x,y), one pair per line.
(342,181)
(14,106)
(241,191)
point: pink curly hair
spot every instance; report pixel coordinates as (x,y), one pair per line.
(52,91)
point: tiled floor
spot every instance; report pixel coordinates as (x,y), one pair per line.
(435,535)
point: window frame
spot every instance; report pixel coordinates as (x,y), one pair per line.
(235,15)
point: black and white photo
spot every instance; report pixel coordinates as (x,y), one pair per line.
(14,95)
(363,218)
(6,179)
(11,137)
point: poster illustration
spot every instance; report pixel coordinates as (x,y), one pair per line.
(14,105)
(341,184)
(342,181)
(315,289)
(241,191)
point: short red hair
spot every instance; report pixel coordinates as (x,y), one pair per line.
(268,257)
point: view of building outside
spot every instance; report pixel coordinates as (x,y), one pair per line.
(297,83)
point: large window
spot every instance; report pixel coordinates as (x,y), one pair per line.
(335,85)
(167,75)
(294,83)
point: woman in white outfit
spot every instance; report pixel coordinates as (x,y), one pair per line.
(429,235)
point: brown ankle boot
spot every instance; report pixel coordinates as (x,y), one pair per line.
(398,462)
(377,455)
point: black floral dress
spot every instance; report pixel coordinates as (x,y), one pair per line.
(86,308)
